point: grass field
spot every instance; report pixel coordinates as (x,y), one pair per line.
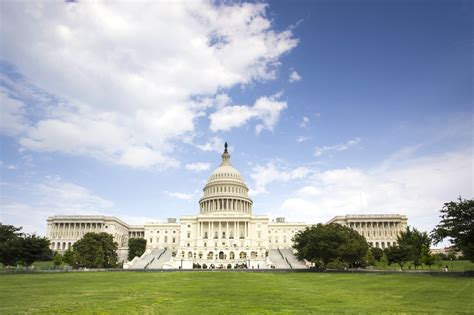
(233,292)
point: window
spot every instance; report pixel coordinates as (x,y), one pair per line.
(151,240)
(189,235)
(174,240)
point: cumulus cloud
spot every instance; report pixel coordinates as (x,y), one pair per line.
(214,144)
(294,77)
(127,73)
(197,167)
(53,196)
(270,173)
(319,151)
(266,110)
(417,187)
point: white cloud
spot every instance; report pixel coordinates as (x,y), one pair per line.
(12,112)
(182,196)
(264,175)
(294,77)
(266,109)
(127,73)
(304,122)
(199,166)
(301,139)
(214,144)
(52,197)
(417,187)
(319,151)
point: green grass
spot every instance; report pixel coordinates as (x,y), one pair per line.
(233,292)
(455,265)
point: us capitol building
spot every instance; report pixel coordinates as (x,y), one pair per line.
(223,234)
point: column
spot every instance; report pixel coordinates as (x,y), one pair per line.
(220,231)
(235,230)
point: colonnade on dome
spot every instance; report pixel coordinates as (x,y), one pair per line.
(225,204)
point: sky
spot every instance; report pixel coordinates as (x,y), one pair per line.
(329,107)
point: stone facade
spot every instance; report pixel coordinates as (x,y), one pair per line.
(380,230)
(225,231)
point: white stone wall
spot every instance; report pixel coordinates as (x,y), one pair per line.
(380,230)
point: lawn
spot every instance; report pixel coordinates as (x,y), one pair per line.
(233,292)
(455,265)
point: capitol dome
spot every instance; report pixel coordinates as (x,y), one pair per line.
(225,190)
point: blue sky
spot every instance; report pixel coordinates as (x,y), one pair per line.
(329,107)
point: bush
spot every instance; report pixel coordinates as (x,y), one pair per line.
(204,266)
(336,264)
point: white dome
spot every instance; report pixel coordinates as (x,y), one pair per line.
(225,190)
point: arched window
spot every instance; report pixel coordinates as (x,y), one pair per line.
(190,255)
(221,255)
(231,255)
(243,255)
(210,255)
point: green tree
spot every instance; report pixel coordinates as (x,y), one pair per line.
(457,223)
(96,250)
(398,255)
(322,244)
(136,247)
(33,248)
(57,259)
(370,258)
(377,253)
(413,242)
(428,258)
(70,258)
(9,244)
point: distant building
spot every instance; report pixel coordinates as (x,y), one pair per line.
(224,233)
(380,230)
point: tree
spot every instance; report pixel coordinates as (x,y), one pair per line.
(414,242)
(57,259)
(16,247)
(428,258)
(322,244)
(33,248)
(398,255)
(69,258)
(377,253)
(136,247)
(9,244)
(457,223)
(370,258)
(96,250)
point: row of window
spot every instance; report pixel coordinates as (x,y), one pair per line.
(220,189)
(173,240)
